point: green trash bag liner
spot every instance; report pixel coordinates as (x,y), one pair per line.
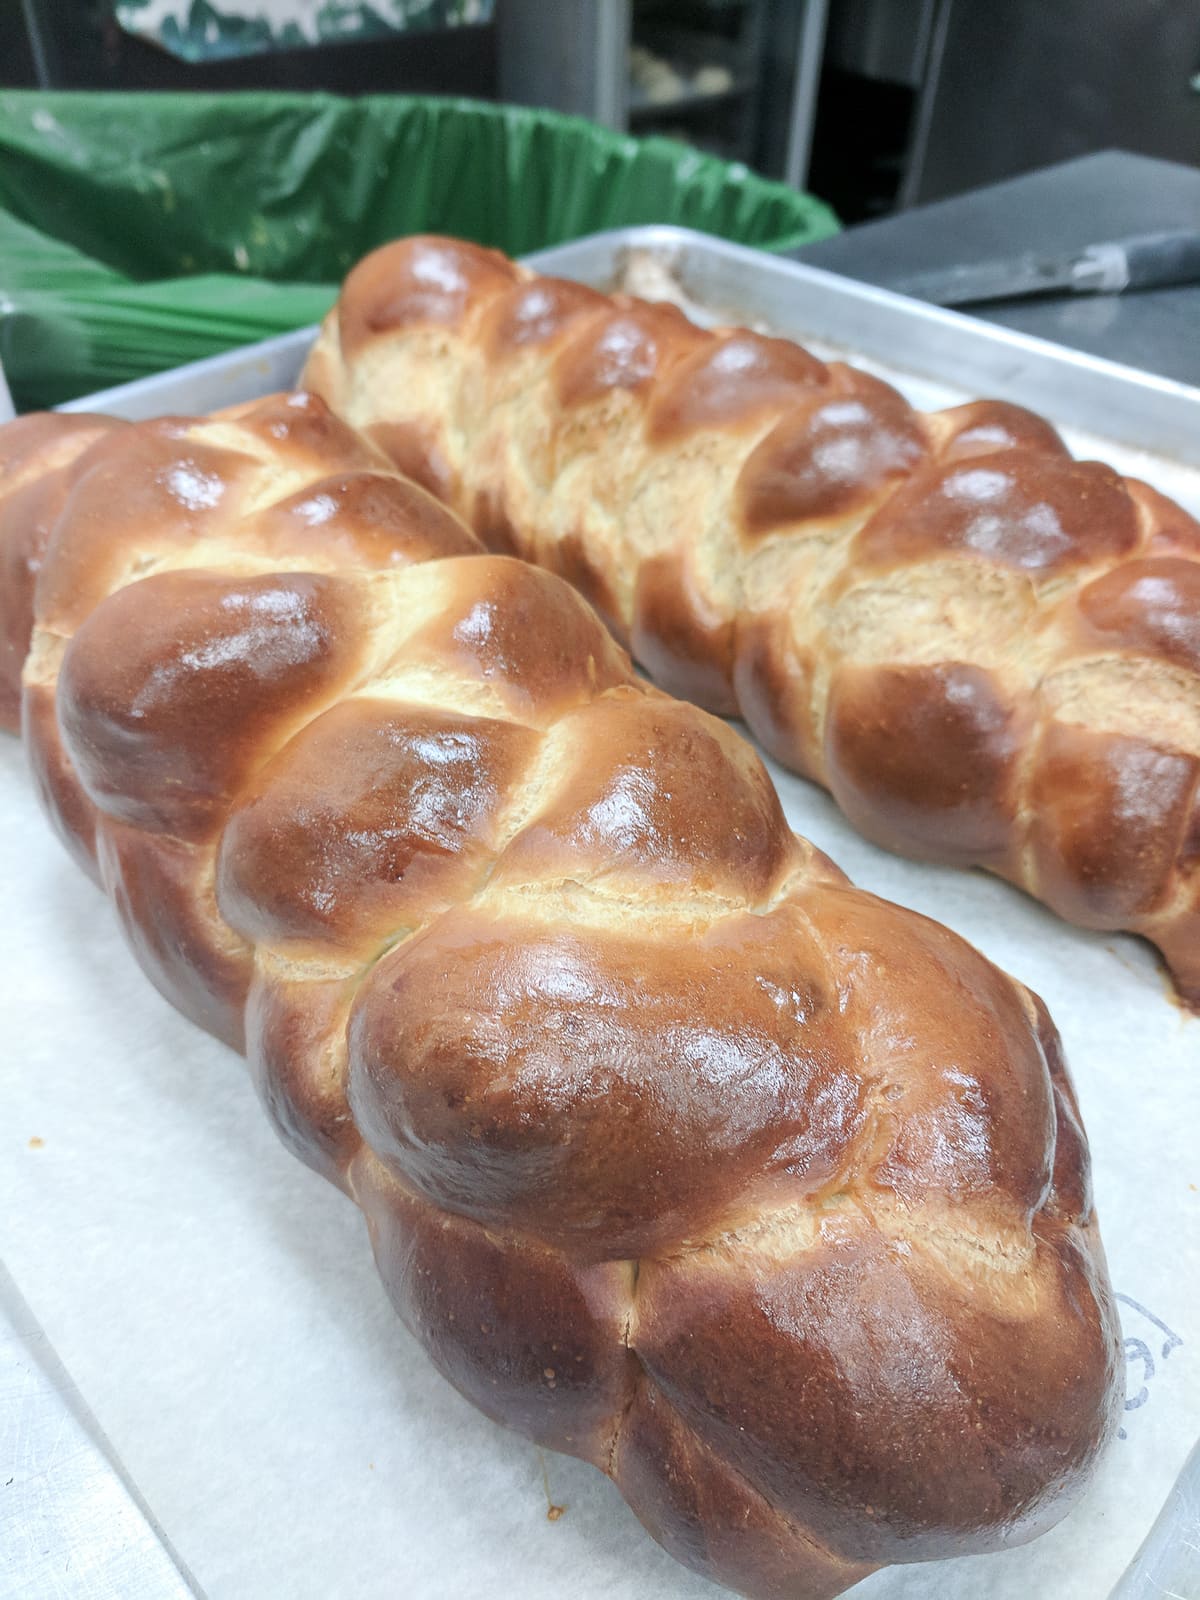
(139,231)
(54,347)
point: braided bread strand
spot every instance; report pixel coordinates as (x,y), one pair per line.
(677,1152)
(987,651)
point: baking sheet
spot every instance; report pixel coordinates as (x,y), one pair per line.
(218,1308)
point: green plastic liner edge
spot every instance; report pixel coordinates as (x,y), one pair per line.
(140,231)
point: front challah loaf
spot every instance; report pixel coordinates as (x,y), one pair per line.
(987,651)
(677,1152)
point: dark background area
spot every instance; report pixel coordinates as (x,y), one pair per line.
(915,100)
(79,46)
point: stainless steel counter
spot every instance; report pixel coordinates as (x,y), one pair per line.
(1063,207)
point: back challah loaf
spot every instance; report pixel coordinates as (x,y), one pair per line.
(987,651)
(677,1152)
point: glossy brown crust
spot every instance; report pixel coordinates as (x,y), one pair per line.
(677,1152)
(831,455)
(881,724)
(38,461)
(919,612)
(238,661)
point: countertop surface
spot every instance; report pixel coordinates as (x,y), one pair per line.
(1059,209)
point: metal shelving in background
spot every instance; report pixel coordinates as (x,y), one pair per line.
(694,72)
(738,78)
(875,105)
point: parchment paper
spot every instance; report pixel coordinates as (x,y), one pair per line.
(217,1305)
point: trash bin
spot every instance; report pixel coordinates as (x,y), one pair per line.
(140,231)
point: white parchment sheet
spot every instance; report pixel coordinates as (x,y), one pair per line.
(218,1307)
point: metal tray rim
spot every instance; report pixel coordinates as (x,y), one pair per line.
(961,324)
(1084,389)
(1143,410)
(1123,404)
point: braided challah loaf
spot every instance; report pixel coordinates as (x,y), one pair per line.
(677,1152)
(987,651)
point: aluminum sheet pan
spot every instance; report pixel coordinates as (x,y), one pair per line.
(208,385)
(1135,408)
(144,1127)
